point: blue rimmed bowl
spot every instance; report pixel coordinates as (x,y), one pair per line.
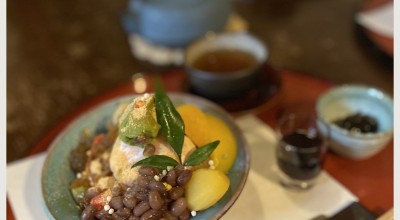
(343,101)
(57,174)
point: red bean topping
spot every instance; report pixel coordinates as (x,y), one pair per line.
(151,215)
(155,200)
(124,213)
(179,169)
(176,192)
(107,217)
(116,217)
(132,217)
(129,201)
(148,171)
(156,185)
(117,202)
(101,214)
(171,178)
(185,215)
(88,212)
(169,216)
(91,193)
(141,208)
(142,182)
(184,177)
(179,206)
(142,195)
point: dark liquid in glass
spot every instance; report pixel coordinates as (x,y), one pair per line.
(305,162)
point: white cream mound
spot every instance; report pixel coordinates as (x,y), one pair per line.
(123,156)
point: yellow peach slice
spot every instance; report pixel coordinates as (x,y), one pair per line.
(205,188)
(196,127)
(225,154)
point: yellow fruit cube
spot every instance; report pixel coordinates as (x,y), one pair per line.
(205,188)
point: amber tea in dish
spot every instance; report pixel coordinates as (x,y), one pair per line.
(225,61)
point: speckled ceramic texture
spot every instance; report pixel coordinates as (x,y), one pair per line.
(346,100)
(57,175)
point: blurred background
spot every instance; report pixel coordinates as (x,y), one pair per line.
(60,54)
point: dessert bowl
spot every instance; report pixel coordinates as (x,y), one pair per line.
(57,174)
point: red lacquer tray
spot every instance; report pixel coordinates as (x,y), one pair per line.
(370,180)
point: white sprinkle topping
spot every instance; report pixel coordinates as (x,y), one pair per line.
(211,163)
(157,178)
(108,198)
(169,168)
(111,211)
(193,213)
(79,175)
(106,207)
(164,172)
(146,95)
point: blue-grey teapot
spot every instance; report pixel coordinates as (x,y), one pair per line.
(175,23)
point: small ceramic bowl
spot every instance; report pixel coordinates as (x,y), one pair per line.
(217,85)
(57,174)
(343,101)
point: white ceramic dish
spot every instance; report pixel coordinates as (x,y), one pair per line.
(346,100)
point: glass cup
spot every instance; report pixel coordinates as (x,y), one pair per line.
(300,150)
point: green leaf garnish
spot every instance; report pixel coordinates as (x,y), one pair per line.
(172,126)
(157,161)
(201,154)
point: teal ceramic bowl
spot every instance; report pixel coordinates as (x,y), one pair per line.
(343,101)
(57,174)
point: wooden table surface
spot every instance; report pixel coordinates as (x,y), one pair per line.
(371,180)
(61,54)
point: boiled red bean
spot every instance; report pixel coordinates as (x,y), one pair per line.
(124,213)
(116,217)
(148,171)
(117,202)
(171,178)
(156,185)
(151,215)
(101,214)
(142,182)
(141,208)
(185,215)
(132,217)
(179,169)
(184,177)
(107,217)
(179,206)
(176,192)
(129,201)
(88,212)
(170,216)
(155,200)
(142,195)
(91,193)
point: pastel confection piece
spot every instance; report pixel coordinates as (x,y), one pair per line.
(138,124)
